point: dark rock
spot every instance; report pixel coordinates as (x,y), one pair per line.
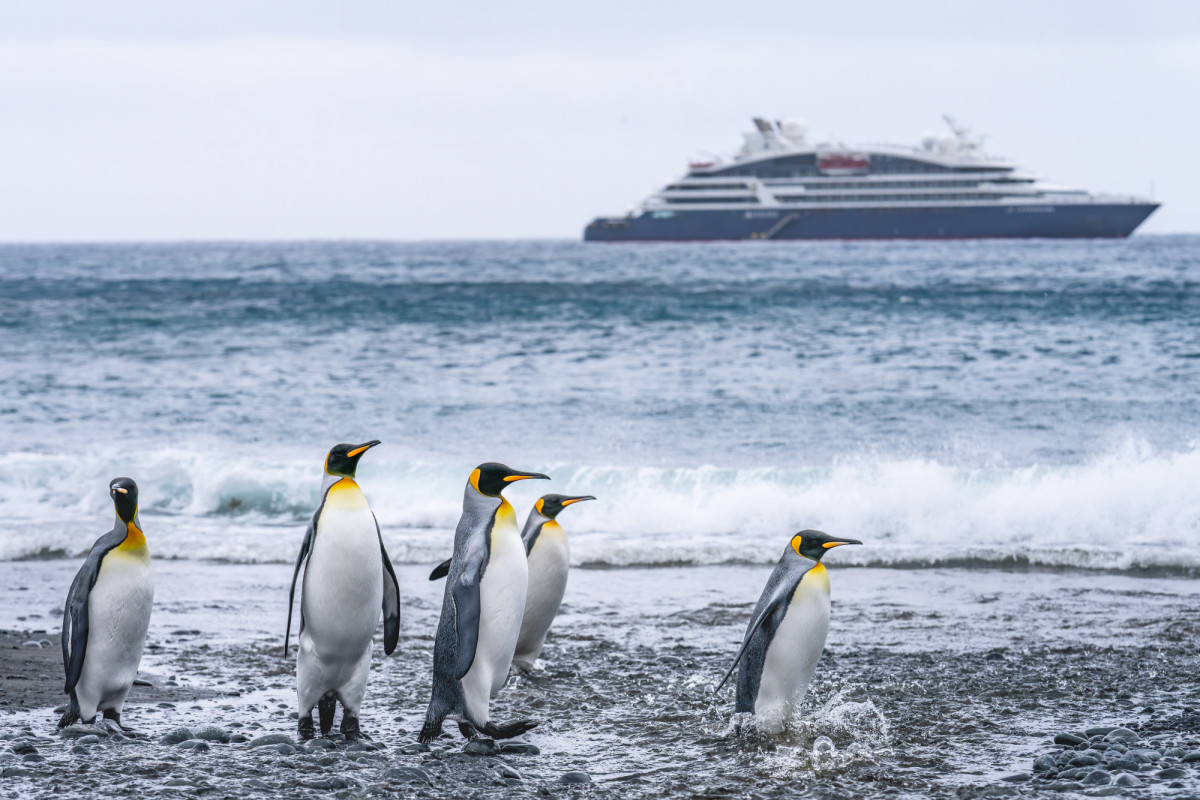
(79,750)
(79,731)
(200,746)
(1043,763)
(1100,731)
(408,775)
(1121,735)
(273,738)
(91,738)
(260,785)
(285,749)
(1083,761)
(1069,739)
(1191,757)
(1096,778)
(1171,772)
(176,736)
(520,749)
(320,744)
(575,777)
(1019,777)
(1125,779)
(211,733)
(1064,786)
(674,661)
(1122,763)
(21,748)
(32,758)
(413,748)
(481,747)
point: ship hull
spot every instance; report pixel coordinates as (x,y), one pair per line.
(1050,221)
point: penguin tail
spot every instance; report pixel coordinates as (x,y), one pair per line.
(326,707)
(434,718)
(71,716)
(509,731)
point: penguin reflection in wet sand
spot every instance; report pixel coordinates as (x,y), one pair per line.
(786,633)
(481,609)
(348,579)
(107,614)
(549,555)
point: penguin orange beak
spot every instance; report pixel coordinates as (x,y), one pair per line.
(522,476)
(362,448)
(568,502)
(839,543)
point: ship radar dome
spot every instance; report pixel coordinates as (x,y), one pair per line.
(796,130)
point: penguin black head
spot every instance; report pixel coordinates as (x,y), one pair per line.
(124,493)
(491,478)
(342,460)
(814,544)
(550,504)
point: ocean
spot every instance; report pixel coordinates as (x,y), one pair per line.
(1011,428)
(948,403)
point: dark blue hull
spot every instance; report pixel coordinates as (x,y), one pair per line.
(1063,221)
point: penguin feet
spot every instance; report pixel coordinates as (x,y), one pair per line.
(306,729)
(115,717)
(509,731)
(350,727)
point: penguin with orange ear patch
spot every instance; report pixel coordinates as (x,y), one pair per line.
(786,633)
(549,555)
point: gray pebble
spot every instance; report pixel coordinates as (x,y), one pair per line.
(1069,739)
(31,643)
(1096,778)
(22,747)
(320,744)
(481,747)
(33,758)
(79,750)
(1018,777)
(408,775)
(1122,763)
(1125,779)
(505,771)
(520,749)
(91,738)
(1083,761)
(273,738)
(1043,763)
(1192,756)
(1121,735)
(413,748)
(211,733)
(575,777)
(176,736)
(260,785)
(1171,772)
(284,749)
(194,744)
(1100,731)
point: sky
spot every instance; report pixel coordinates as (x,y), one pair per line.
(126,120)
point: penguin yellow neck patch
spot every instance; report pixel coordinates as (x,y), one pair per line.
(345,495)
(134,538)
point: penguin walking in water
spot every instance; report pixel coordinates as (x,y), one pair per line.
(786,633)
(481,609)
(107,615)
(549,555)
(348,579)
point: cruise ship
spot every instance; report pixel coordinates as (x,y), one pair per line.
(782,186)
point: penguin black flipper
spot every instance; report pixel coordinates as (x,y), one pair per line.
(75,612)
(440,571)
(391,600)
(305,550)
(466,612)
(763,612)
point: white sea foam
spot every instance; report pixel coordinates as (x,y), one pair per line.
(1130,508)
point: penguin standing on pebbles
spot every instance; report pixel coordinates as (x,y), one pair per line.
(481,609)
(786,633)
(107,614)
(348,579)
(549,555)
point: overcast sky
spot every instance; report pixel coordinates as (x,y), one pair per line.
(147,120)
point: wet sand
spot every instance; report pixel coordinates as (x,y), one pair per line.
(944,683)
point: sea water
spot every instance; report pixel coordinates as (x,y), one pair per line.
(949,403)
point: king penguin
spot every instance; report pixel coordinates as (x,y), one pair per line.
(481,609)
(349,577)
(107,614)
(549,556)
(786,633)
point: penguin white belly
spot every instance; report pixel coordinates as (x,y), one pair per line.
(549,565)
(119,606)
(792,656)
(501,604)
(342,600)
